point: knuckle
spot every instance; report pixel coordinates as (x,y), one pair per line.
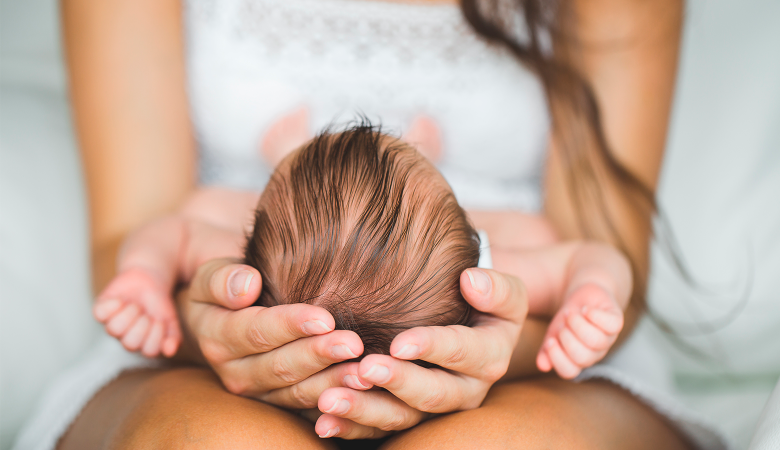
(212,351)
(281,370)
(395,422)
(300,397)
(493,371)
(433,402)
(457,352)
(456,356)
(257,338)
(235,385)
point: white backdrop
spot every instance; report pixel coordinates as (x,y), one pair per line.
(720,188)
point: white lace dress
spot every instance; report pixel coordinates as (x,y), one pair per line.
(251,62)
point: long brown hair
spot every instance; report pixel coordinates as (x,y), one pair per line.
(576,121)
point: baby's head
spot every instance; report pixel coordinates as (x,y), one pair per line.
(362,225)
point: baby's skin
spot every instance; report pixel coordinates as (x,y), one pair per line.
(583,286)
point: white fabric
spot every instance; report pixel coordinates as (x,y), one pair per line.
(252,61)
(485,257)
(721,190)
(45,320)
(767,435)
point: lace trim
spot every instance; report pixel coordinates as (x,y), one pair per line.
(359,31)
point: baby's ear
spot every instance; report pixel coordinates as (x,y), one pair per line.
(285,135)
(425,136)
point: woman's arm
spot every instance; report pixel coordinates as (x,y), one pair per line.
(628,54)
(127,87)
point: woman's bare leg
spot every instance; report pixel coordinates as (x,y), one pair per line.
(547,413)
(183,408)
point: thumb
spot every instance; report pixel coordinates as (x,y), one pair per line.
(495,293)
(225,283)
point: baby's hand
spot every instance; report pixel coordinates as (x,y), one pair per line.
(581,332)
(137,309)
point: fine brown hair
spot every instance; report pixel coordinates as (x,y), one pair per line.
(361,224)
(579,135)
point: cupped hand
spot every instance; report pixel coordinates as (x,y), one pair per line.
(283,355)
(471,358)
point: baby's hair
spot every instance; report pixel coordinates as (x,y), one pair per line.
(358,223)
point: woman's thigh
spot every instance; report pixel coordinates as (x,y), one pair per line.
(183,408)
(547,413)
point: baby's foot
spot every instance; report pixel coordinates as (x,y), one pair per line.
(424,135)
(581,332)
(138,310)
(285,135)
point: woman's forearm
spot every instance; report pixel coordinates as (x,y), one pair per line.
(127,89)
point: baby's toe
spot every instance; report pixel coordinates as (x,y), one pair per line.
(563,365)
(172,339)
(589,334)
(136,334)
(577,352)
(611,322)
(104,309)
(543,361)
(153,342)
(121,321)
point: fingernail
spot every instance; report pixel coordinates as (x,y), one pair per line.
(312,327)
(341,351)
(480,281)
(332,432)
(239,282)
(408,351)
(353,381)
(377,374)
(550,342)
(104,308)
(341,406)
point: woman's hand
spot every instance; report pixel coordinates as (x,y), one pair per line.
(473,358)
(283,355)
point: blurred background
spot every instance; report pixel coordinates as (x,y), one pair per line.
(720,190)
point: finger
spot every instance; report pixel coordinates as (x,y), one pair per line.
(121,321)
(304,395)
(577,352)
(590,335)
(104,309)
(492,292)
(563,365)
(151,347)
(543,361)
(329,426)
(429,390)
(222,282)
(136,333)
(376,409)
(227,335)
(610,322)
(296,361)
(482,352)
